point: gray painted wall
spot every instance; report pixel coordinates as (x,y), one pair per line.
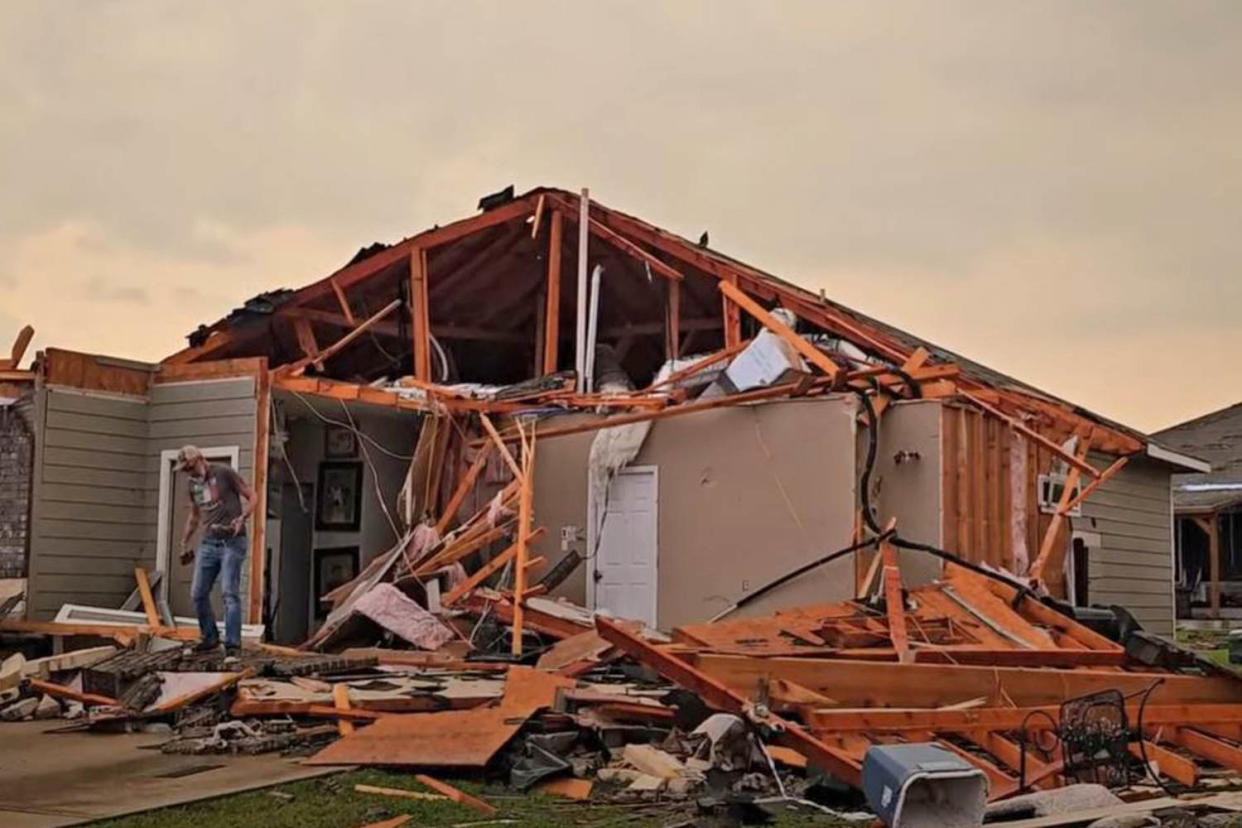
(1132,512)
(90,515)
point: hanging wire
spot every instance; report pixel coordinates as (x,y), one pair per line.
(362,436)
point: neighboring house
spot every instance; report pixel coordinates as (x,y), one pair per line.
(344,401)
(1208,509)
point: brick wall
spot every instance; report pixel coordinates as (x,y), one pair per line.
(16,463)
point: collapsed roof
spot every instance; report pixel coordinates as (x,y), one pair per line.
(485,287)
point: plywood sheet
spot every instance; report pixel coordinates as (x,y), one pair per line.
(452,739)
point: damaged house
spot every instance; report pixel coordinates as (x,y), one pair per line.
(1208,513)
(753,428)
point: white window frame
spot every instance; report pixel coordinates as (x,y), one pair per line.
(164,529)
(1047,503)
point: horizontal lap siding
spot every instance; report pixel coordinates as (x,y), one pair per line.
(1134,565)
(209,414)
(89,527)
(97,481)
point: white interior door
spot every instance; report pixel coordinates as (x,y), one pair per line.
(625,565)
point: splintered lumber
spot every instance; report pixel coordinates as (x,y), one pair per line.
(785,756)
(458,796)
(895,602)
(296,368)
(1049,553)
(505,454)
(813,355)
(552,311)
(400,792)
(523,540)
(220,682)
(886,684)
(718,695)
(261,707)
(915,361)
(76,660)
(63,692)
(695,367)
(568,787)
(1053,446)
(463,488)
(1175,767)
(1044,717)
(340,700)
(19,345)
(485,571)
(148,600)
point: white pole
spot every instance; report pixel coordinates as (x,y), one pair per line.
(592,327)
(580,340)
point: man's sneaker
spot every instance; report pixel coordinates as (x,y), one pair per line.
(232,653)
(207,646)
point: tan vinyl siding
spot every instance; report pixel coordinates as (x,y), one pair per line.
(1133,567)
(89,524)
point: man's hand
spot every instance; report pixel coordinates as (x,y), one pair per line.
(237,525)
(187,554)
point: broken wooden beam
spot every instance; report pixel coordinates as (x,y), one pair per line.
(718,695)
(457,795)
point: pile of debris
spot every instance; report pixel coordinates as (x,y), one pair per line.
(808,706)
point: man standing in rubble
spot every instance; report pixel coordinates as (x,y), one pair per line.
(221,502)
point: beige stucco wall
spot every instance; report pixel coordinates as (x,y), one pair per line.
(745,495)
(910,490)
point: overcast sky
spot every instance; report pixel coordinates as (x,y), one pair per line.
(1052,189)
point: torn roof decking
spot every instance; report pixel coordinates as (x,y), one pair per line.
(471,253)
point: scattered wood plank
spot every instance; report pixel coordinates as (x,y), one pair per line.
(400,792)
(60,691)
(340,700)
(568,787)
(457,795)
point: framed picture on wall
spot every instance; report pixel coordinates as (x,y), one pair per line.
(332,567)
(339,507)
(339,442)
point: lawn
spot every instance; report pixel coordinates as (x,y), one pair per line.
(332,802)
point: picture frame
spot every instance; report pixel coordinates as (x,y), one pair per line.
(339,442)
(338,505)
(332,567)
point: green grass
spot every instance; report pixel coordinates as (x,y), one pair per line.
(1209,644)
(332,802)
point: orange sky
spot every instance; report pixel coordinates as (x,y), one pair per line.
(1050,188)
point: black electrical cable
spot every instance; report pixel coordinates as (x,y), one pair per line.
(789,576)
(869,519)
(896,539)
(1164,786)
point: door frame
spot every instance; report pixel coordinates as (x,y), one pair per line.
(592,540)
(163,531)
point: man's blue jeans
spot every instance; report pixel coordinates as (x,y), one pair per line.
(219,556)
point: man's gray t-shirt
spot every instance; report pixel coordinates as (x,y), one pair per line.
(218,497)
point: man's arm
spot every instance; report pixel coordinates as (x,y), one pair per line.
(191,525)
(248,501)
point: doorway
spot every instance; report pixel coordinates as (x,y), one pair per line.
(174,505)
(623,571)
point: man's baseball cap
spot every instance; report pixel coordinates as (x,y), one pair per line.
(187,456)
